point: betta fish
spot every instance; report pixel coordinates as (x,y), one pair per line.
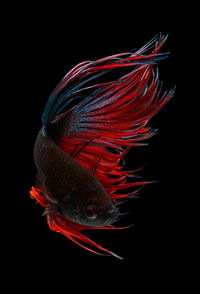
(89,124)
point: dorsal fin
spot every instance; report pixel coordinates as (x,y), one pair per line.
(59,127)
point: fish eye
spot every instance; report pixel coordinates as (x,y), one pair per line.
(91,212)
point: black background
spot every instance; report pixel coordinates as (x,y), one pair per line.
(47,45)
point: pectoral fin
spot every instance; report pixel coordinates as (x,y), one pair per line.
(50,208)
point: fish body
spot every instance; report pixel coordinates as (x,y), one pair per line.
(69,185)
(87,130)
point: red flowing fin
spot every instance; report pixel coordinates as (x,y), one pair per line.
(74,151)
(116,113)
(93,165)
(37,194)
(70,229)
(77,150)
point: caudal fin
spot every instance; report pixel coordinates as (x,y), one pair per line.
(77,93)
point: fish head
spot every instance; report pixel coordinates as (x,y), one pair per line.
(95,211)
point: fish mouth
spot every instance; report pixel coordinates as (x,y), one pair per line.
(111,216)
